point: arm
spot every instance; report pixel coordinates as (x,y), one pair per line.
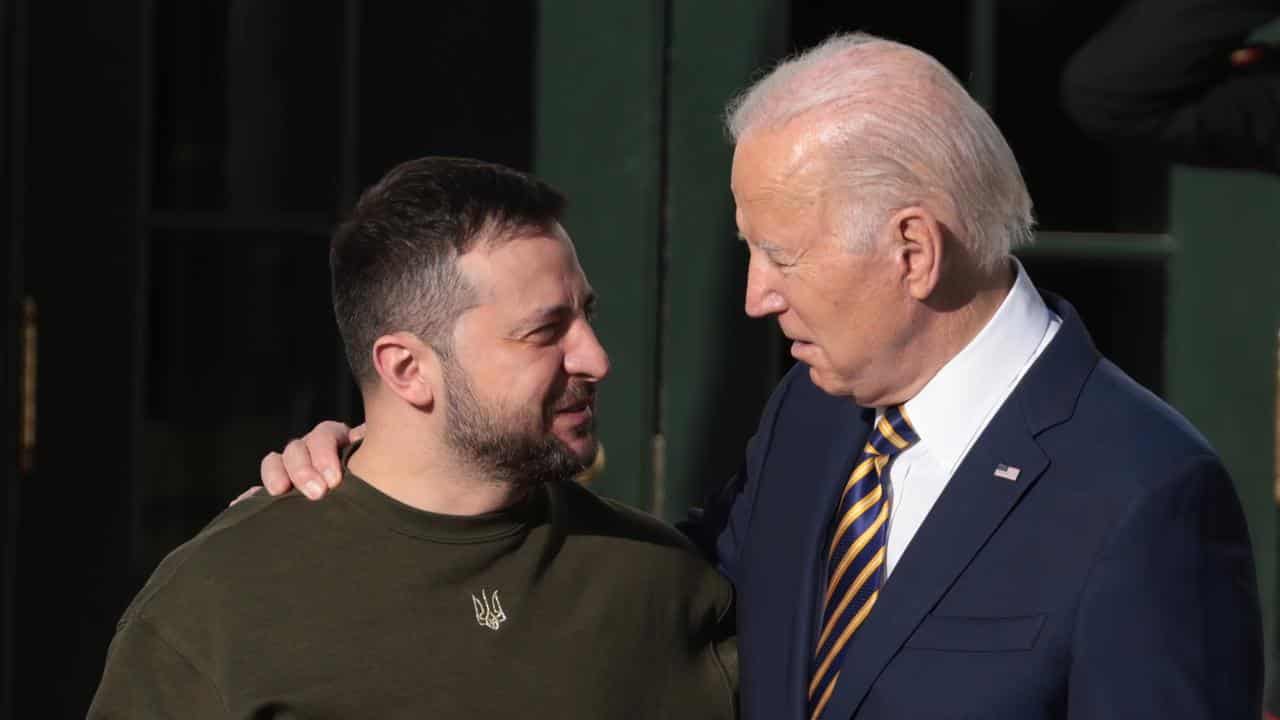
(146,677)
(1169,623)
(1161,74)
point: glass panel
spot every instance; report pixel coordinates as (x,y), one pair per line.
(247,105)
(1122,304)
(446,79)
(243,353)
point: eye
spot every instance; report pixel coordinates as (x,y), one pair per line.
(775,259)
(544,333)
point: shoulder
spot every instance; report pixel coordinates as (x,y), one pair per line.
(1110,435)
(240,546)
(1122,445)
(587,512)
(632,550)
(1126,423)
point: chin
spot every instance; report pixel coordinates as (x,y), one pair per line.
(582,447)
(586,452)
(829,385)
(817,377)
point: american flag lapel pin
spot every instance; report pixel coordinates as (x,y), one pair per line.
(1007,472)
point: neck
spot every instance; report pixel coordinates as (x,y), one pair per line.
(425,475)
(953,321)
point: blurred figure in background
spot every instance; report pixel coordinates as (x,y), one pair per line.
(1180,77)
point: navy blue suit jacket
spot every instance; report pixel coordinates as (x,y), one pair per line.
(1113,578)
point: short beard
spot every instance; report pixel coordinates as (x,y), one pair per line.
(506,454)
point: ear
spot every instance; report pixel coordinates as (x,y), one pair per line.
(407,367)
(918,247)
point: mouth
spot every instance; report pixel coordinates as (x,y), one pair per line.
(579,406)
(793,338)
(578,420)
(799,348)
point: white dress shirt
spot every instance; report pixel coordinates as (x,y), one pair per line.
(953,409)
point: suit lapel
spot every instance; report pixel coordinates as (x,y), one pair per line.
(973,505)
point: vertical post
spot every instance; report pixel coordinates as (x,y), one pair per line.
(349,170)
(1221,350)
(982,53)
(141,327)
(13,88)
(598,135)
(718,365)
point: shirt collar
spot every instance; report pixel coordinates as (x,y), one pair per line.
(955,404)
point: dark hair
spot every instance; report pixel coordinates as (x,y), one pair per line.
(394,260)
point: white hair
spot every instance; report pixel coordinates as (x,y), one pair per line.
(905,132)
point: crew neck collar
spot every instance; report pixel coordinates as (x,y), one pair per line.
(437,527)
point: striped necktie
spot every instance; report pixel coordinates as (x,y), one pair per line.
(855,558)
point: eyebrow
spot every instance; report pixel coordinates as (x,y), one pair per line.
(762,245)
(559,311)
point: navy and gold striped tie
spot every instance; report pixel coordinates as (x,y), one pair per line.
(855,558)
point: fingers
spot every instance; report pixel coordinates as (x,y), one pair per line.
(322,447)
(301,471)
(356,434)
(310,463)
(246,494)
(273,475)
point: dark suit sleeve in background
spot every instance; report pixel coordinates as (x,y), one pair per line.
(1169,624)
(1159,76)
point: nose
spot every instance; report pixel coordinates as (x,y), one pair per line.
(584,356)
(762,297)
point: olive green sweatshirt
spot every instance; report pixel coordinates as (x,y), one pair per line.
(565,606)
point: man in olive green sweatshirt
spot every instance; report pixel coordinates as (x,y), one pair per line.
(460,572)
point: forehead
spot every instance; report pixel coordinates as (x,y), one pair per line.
(791,158)
(778,182)
(532,270)
(779,170)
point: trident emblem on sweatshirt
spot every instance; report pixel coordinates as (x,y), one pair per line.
(488,610)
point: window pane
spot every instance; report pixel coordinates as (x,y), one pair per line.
(243,354)
(247,105)
(1121,301)
(446,79)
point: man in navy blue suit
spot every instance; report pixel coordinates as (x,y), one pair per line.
(953,506)
(1033,535)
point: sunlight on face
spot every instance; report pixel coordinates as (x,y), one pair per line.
(525,359)
(839,309)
